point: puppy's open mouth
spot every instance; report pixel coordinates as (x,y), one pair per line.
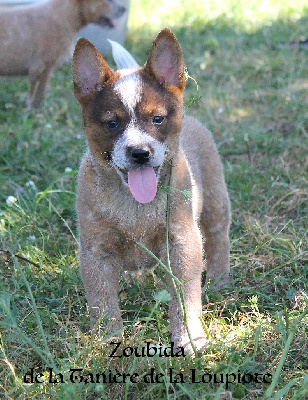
(142,182)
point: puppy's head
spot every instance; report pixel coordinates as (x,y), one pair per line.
(132,116)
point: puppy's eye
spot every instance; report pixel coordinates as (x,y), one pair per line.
(158,119)
(112,124)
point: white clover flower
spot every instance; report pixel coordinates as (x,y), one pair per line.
(31,237)
(68,169)
(31,184)
(11,200)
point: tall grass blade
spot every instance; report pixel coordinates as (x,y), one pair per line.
(269,392)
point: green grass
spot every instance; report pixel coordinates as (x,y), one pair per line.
(253,97)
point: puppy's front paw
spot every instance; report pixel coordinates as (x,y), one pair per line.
(199,340)
(199,345)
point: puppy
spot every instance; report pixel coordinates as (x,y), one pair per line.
(35,39)
(137,138)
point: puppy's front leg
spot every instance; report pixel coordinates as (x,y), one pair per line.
(186,265)
(100,275)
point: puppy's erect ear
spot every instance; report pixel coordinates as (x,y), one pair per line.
(165,60)
(90,70)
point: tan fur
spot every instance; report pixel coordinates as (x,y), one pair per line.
(35,39)
(111,221)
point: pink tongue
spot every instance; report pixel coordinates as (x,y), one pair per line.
(142,183)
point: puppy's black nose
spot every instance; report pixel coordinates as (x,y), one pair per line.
(140,156)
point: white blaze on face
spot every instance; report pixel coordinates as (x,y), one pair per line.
(129,88)
(142,180)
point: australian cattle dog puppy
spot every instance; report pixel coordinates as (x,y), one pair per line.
(138,143)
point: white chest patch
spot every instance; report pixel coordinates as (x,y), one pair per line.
(129,88)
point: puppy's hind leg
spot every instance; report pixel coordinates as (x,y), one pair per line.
(217,248)
(215,216)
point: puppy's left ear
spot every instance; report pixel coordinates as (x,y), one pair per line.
(90,70)
(165,60)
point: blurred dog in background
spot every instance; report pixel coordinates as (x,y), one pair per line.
(35,39)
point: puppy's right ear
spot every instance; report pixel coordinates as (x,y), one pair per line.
(90,70)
